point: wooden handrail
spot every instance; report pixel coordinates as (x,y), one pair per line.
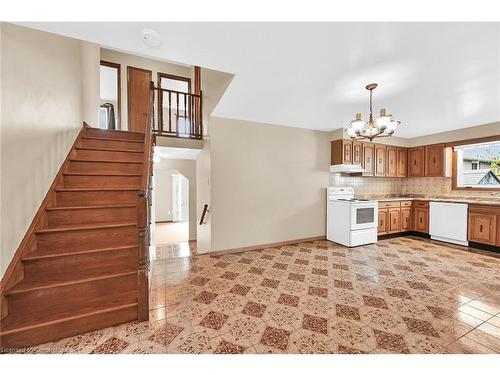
(176,92)
(204,213)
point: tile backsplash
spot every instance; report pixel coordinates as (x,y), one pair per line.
(398,186)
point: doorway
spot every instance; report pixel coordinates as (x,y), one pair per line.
(110,95)
(139,105)
(180,198)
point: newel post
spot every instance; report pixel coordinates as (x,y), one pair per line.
(143,270)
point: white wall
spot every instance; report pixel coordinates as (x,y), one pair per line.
(90,77)
(203,196)
(268,183)
(162,177)
(41,115)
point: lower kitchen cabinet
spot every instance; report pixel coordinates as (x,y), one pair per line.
(405,219)
(483,224)
(421,217)
(394,220)
(382,222)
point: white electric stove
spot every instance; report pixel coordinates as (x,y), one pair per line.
(350,222)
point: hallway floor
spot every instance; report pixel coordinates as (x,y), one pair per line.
(403,295)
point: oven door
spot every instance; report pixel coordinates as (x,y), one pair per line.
(364,216)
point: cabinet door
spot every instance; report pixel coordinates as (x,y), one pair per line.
(402,170)
(368,159)
(416,162)
(405,219)
(380,160)
(482,228)
(382,222)
(357,153)
(392,161)
(394,220)
(347,152)
(421,222)
(434,160)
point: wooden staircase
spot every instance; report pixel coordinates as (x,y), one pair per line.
(83,264)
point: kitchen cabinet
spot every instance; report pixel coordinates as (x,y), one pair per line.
(382,221)
(402,169)
(483,224)
(380,160)
(392,161)
(416,162)
(368,159)
(357,153)
(435,160)
(405,219)
(341,152)
(421,216)
(394,220)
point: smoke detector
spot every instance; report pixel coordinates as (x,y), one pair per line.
(151,38)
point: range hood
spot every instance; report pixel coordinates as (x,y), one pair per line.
(346,168)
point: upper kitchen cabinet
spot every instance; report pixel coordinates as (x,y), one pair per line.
(341,150)
(392,161)
(402,169)
(435,165)
(416,162)
(368,159)
(357,153)
(380,160)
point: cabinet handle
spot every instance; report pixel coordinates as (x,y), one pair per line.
(420,220)
(481,227)
(434,160)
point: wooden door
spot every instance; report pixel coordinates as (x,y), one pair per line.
(405,219)
(382,222)
(402,170)
(482,228)
(368,159)
(416,162)
(434,160)
(394,220)
(421,221)
(357,153)
(139,104)
(380,160)
(392,161)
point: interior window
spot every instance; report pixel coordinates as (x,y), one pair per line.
(109,113)
(478,165)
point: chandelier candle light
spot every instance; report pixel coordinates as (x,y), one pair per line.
(384,126)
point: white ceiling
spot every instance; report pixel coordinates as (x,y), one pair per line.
(432,76)
(176,153)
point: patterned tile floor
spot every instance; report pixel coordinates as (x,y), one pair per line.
(403,295)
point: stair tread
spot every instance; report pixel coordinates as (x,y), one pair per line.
(113,139)
(10,325)
(109,149)
(27,285)
(102,174)
(98,189)
(73,227)
(34,256)
(107,161)
(104,131)
(89,207)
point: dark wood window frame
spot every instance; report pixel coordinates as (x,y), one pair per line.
(454,168)
(174,77)
(118,68)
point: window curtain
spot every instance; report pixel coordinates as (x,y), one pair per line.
(111,115)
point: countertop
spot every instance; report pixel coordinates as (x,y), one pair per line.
(484,200)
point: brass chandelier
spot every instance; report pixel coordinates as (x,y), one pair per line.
(384,126)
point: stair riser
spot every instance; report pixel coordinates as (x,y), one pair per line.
(95,198)
(56,331)
(82,265)
(102,143)
(45,303)
(108,155)
(87,167)
(91,216)
(113,135)
(84,182)
(75,240)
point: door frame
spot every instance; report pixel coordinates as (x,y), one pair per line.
(118,68)
(129,69)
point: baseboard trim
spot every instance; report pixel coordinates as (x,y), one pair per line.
(482,246)
(403,234)
(272,244)
(163,221)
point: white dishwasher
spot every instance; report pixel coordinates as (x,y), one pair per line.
(448,222)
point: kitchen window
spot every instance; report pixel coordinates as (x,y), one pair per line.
(477,166)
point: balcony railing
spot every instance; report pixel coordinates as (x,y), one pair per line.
(179,114)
